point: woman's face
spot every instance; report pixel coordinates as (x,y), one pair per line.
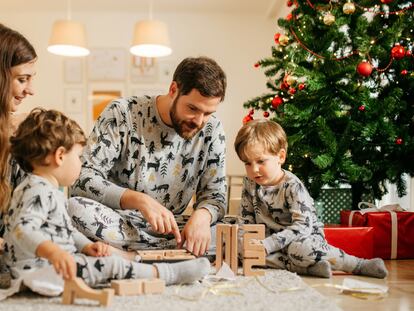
(22,76)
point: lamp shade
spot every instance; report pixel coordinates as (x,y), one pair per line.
(150,39)
(68,39)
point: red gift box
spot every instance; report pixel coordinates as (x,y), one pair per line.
(356,241)
(393,231)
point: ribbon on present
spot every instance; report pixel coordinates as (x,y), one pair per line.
(392,209)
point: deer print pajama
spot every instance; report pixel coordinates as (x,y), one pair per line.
(37,214)
(294,236)
(131,147)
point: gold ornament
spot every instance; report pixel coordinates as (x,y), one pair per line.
(328,19)
(348,8)
(283,40)
(291,80)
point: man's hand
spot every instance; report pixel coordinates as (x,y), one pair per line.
(196,232)
(97,249)
(161,219)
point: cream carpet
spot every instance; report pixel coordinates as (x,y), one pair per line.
(245,294)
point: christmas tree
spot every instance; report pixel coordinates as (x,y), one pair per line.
(341,84)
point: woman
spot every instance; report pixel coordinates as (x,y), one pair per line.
(17,68)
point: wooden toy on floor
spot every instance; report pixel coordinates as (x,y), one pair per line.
(131,287)
(169,255)
(227,234)
(77,288)
(253,252)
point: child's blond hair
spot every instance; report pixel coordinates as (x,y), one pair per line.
(268,134)
(41,133)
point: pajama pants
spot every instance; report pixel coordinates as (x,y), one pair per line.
(99,270)
(123,229)
(309,250)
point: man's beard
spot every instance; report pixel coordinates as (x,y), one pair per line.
(178,124)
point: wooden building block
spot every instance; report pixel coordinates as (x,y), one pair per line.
(154,286)
(165,255)
(128,287)
(77,288)
(253,252)
(227,236)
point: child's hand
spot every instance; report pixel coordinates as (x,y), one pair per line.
(97,249)
(64,264)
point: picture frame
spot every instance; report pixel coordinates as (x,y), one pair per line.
(73,101)
(144,70)
(105,64)
(73,70)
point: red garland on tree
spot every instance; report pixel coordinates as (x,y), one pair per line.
(364,69)
(277,101)
(398,52)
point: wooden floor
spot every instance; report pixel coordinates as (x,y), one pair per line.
(400,282)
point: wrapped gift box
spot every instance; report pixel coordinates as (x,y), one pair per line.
(393,231)
(356,241)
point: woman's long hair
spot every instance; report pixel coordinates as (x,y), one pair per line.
(14,50)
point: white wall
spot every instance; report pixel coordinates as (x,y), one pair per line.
(236,42)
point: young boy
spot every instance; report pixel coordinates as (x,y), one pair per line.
(278,199)
(38,228)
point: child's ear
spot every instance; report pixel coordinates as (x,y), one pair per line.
(58,155)
(282,156)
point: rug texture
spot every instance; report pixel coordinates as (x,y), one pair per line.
(277,290)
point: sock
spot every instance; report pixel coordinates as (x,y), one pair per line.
(321,268)
(371,267)
(184,271)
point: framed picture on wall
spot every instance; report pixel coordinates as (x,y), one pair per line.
(73,70)
(144,70)
(73,101)
(107,64)
(99,96)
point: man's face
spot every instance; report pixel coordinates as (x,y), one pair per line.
(189,113)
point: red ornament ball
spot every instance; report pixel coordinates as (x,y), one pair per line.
(266,114)
(276,37)
(408,53)
(251,112)
(364,68)
(301,86)
(247,118)
(386,1)
(289,17)
(289,3)
(404,72)
(361,108)
(256,65)
(277,101)
(399,141)
(398,52)
(292,90)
